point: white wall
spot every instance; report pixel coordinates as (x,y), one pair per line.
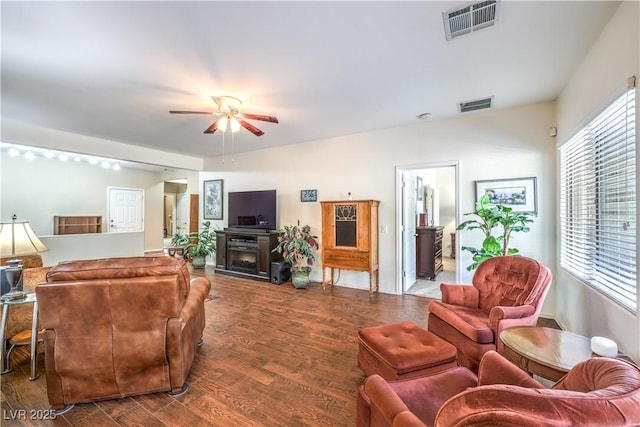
(602,73)
(36,190)
(492,144)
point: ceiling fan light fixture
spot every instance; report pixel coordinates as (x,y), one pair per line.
(234,124)
(222,124)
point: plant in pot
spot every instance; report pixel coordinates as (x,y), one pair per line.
(179,241)
(489,218)
(201,244)
(297,246)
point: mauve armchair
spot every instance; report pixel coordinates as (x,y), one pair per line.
(506,291)
(597,392)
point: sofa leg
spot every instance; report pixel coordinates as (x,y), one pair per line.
(201,342)
(64,409)
(180,392)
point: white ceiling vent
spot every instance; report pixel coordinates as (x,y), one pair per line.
(470,18)
(478,104)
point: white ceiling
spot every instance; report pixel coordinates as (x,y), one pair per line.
(113,70)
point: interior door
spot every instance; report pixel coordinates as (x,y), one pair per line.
(409,204)
(125,209)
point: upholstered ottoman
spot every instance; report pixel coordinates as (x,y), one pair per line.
(403,350)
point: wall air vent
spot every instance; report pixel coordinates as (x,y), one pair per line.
(470,18)
(478,104)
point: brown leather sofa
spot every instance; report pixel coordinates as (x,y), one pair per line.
(598,392)
(506,291)
(118,327)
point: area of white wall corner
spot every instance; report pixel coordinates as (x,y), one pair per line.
(613,58)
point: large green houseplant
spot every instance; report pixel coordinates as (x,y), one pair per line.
(297,246)
(201,244)
(490,218)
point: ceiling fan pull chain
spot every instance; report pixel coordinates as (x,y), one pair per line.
(223,146)
(233,146)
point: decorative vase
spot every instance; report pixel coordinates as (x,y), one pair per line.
(198,261)
(300,278)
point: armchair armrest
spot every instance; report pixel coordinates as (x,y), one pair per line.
(383,398)
(495,369)
(464,295)
(499,313)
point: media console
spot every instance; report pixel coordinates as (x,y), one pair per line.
(246,252)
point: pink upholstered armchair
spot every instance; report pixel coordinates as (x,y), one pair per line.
(597,392)
(507,291)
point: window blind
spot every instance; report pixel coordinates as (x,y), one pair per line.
(598,202)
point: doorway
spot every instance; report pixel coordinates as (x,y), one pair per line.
(427,196)
(176,209)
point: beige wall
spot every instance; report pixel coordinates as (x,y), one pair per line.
(492,144)
(603,72)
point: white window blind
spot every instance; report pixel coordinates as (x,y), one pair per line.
(598,202)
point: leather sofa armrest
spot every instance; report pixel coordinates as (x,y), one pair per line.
(464,295)
(185,331)
(495,369)
(383,399)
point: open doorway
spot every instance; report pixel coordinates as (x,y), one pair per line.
(427,206)
(176,209)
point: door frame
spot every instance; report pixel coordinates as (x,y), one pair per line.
(400,170)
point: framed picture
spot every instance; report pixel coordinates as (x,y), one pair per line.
(308,195)
(520,194)
(213,199)
(419,189)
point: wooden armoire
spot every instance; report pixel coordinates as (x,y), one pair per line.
(350,239)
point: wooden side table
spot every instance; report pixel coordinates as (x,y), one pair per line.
(547,352)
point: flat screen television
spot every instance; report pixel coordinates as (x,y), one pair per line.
(252,209)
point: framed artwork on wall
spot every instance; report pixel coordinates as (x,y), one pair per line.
(308,195)
(212,199)
(419,189)
(520,194)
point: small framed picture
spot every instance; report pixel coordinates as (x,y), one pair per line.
(520,194)
(213,200)
(308,195)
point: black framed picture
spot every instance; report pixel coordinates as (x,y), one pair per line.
(212,199)
(308,195)
(520,194)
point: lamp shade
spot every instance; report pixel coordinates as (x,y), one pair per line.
(18,238)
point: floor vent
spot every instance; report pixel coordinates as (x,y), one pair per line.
(478,104)
(470,18)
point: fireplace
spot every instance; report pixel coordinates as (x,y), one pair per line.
(242,256)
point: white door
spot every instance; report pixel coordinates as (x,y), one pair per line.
(409,204)
(125,209)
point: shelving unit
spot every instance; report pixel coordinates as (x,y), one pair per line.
(77,224)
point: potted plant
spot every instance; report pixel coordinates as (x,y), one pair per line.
(201,244)
(488,218)
(297,246)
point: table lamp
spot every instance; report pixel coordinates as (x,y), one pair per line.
(17,238)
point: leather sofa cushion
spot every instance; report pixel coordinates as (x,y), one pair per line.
(121,268)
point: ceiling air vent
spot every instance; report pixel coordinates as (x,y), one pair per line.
(478,104)
(470,18)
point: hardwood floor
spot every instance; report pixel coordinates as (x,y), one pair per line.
(273,356)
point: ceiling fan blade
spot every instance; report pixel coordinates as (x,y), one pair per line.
(251,128)
(260,117)
(220,102)
(213,127)
(190,112)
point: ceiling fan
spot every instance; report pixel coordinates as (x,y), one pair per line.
(230,115)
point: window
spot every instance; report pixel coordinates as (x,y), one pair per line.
(598,202)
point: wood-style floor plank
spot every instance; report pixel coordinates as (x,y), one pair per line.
(273,356)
